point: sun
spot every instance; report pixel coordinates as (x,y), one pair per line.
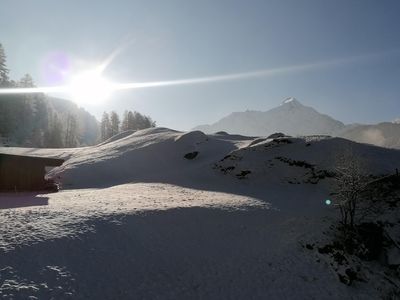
(90,87)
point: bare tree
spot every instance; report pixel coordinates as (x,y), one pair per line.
(351,186)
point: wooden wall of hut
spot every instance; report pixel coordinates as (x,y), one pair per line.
(24,173)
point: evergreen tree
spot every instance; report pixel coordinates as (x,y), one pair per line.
(53,135)
(139,121)
(40,121)
(26,81)
(71,132)
(131,121)
(136,121)
(105,127)
(125,123)
(4,80)
(25,114)
(114,120)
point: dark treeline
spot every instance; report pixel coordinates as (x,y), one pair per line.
(111,123)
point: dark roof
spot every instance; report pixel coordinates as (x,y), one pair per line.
(46,161)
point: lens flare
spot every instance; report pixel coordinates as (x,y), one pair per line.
(90,87)
(55,68)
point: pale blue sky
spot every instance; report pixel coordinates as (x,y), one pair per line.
(184,39)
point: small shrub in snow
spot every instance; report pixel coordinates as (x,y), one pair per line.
(191,155)
(243,174)
(227,169)
(282,141)
(297,163)
(345,268)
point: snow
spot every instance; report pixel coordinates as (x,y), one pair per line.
(135,219)
(61,213)
(288,100)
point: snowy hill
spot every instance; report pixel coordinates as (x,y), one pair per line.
(167,214)
(158,155)
(291,117)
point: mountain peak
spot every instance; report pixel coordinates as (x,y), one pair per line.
(291,117)
(291,101)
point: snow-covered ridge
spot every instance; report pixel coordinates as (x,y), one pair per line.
(158,155)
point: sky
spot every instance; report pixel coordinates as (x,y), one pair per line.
(351,50)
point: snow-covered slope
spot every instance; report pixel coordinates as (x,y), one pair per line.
(291,117)
(307,153)
(159,213)
(158,155)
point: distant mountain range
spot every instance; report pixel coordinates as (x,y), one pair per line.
(383,134)
(296,119)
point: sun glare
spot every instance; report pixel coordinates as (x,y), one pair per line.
(90,87)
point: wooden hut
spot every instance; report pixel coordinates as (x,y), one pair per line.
(24,173)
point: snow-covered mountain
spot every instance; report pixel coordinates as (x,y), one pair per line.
(296,119)
(291,117)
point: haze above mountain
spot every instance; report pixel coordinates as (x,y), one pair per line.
(295,119)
